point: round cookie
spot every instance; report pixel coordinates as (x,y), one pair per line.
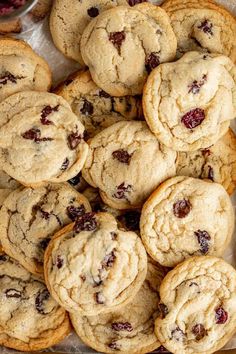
(202,26)
(21,69)
(92,267)
(41,139)
(188,104)
(94,107)
(185,217)
(218,162)
(198,302)
(126,162)
(130,329)
(30,217)
(122,45)
(30,318)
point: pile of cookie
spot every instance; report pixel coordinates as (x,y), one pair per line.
(115,186)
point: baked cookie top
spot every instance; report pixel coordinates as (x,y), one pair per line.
(188,104)
(92,267)
(41,138)
(30,318)
(217,163)
(198,301)
(21,69)
(130,329)
(122,45)
(203,26)
(123,161)
(185,217)
(94,107)
(30,217)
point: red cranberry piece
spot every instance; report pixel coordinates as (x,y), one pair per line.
(122,156)
(7,76)
(206,27)
(87,108)
(59,262)
(93,12)
(65,164)
(116,38)
(121,191)
(114,236)
(104,94)
(74,140)
(73,212)
(6,9)
(113,345)
(221,315)
(210,173)
(206,152)
(86,222)
(199,331)
(3,258)
(44,243)
(45,214)
(75,180)
(83,277)
(13,293)
(35,135)
(163,310)
(46,112)
(109,259)
(152,61)
(40,299)
(17,3)
(99,298)
(203,240)
(196,85)
(177,334)
(193,118)
(182,208)
(122,326)
(130,220)
(135,2)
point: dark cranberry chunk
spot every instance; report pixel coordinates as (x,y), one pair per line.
(87,108)
(122,155)
(152,61)
(104,94)
(45,215)
(65,164)
(44,243)
(210,173)
(122,326)
(83,277)
(35,135)
(3,258)
(7,76)
(59,262)
(221,315)
(206,27)
(73,212)
(13,293)
(196,85)
(193,118)
(121,191)
(203,240)
(99,298)
(109,259)
(163,310)
(130,220)
(116,38)
(177,334)
(75,180)
(40,299)
(199,331)
(135,2)
(6,9)
(45,113)
(206,152)
(114,235)
(113,345)
(93,12)
(74,140)
(86,222)
(182,208)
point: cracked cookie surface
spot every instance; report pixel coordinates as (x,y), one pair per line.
(202,26)
(30,318)
(130,329)
(30,217)
(188,104)
(126,162)
(198,299)
(39,130)
(185,217)
(92,267)
(115,39)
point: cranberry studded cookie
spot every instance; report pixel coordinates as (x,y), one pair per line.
(21,69)
(122,45)
(95,108)
(29,217)
(188,104)
(130,329)
(185,217)
(41,138)
(92,267)
(217,163)
(127,163)
(203,26)
(30,318)
(198,303)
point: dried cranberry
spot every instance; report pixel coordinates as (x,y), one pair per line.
(45,214)
(104,94)
(199,331)
(65,164)
(6,9)
(221,315)
(177,334)
(163,310)
(210,173)
(113,345)
(203,240)
(74,140)
(206,27)
(122,326)
(114,235)
(122,155)
(109,259)
(193,118)
(122,190)
(87,108)
(44,243)
(182,208)
(116,38)
(206,152)
(45,112)
(83,277)
(130,220)
(59,262)
(13,293)
(196,85)
(135,2)
(40,299)
(7,76)
(86,222)
(152,61)
(75,180)
(3,258)
(17,3)
(99,298)
(35,135)
(93,12)
(73,212)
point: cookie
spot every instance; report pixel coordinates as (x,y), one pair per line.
(29,217)
(130,329)
(127,163)
(41,139)
(122,45)
(30,318)
(185,217)
(92,267)
(198,302)
(188,104)
(6,182)
(94,107)
(202,26)
(218,162)
(21,68)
